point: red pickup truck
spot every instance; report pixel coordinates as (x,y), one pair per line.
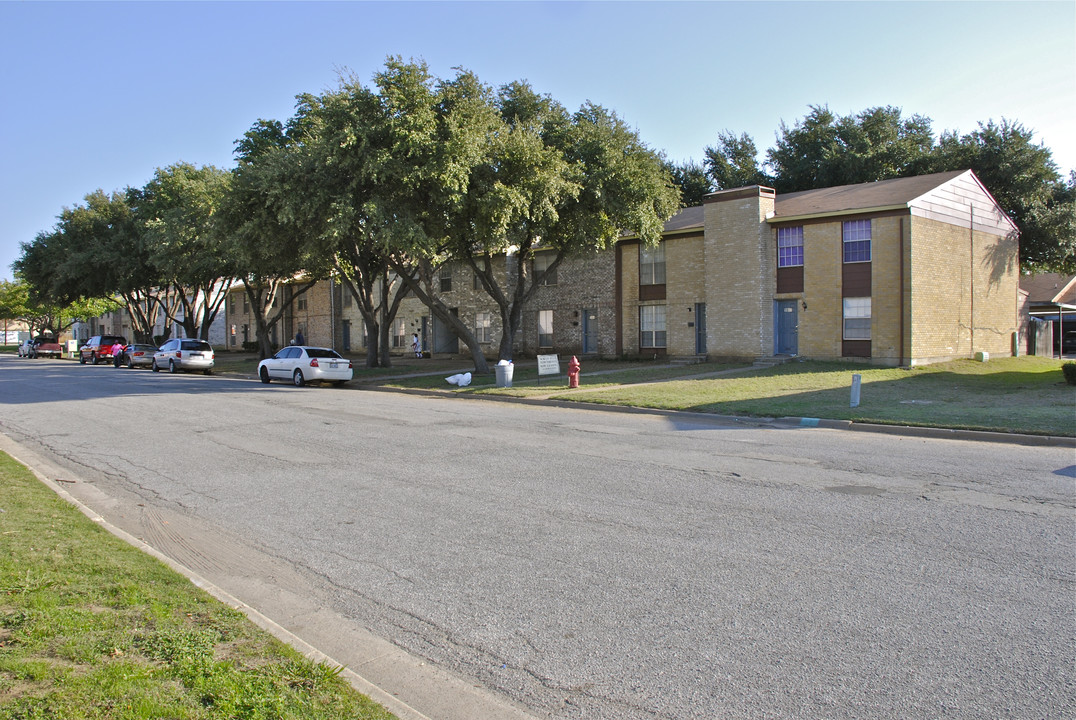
(45,346)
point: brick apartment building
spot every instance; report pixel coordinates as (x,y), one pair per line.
(898,272)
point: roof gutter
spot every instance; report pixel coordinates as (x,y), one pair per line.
(835,213)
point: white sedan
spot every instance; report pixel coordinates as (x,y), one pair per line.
(302,364)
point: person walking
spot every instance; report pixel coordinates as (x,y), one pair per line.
(416,346)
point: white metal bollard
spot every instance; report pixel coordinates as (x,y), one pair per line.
(856,378)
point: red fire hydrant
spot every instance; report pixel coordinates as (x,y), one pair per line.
(573,372)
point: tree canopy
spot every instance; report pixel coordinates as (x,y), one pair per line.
(824,149)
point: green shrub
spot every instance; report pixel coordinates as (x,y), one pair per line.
(1069,369)
(250,345)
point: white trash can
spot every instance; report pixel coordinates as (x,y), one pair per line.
(504,369)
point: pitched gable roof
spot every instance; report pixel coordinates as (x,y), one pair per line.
(881,195)
(956,197)
(1049,288)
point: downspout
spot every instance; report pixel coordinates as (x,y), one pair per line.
(901,290)
(332,311)
(971,240)
(618,294)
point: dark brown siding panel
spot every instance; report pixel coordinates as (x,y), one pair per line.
(651,292)
(856,280)
(856,348)
(790,279)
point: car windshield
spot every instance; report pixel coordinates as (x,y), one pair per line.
(322,353)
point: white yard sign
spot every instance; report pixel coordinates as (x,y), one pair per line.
(548,365)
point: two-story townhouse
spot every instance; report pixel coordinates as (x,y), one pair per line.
(897,272)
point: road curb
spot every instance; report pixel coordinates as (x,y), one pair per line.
(927,432)
(38,466)
(747,421)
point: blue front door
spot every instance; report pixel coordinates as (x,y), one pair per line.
(787,328)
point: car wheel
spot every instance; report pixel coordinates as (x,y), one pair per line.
(208,371)
(81,359)
(172,366)
(156,368)
(93,358)
(130,365)
(298,378)
(263,373)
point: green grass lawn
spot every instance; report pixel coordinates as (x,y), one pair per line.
(91,627)
(1026,395)
(1022,395)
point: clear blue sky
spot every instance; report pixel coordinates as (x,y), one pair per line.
(100,94)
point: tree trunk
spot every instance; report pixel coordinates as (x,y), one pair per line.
(442,313)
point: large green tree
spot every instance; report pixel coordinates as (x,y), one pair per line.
(733,162)
(692,180)
(97,250)
(826,150)
(177,208)
(355,178)
(554,181)
(269,245)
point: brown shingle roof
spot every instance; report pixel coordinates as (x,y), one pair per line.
(1049,288)
(896,193)
(687,219)
(864,196)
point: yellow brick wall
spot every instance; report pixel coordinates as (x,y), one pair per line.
(740,261)
(964,292)
(885,290)
(820,325)
(685,285)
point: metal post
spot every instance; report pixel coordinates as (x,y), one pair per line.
(855,390)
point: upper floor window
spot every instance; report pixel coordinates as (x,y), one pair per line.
(446,278)
(542,261)
(300,302)
(790,246)
(857,241)
(652,265)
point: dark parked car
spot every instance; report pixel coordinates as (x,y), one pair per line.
(99,348)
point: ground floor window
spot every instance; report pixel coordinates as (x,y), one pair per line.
(483,322)
(652,326)
(857,318)
(399,334)
(545,328)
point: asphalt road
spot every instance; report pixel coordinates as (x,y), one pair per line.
(580,563)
